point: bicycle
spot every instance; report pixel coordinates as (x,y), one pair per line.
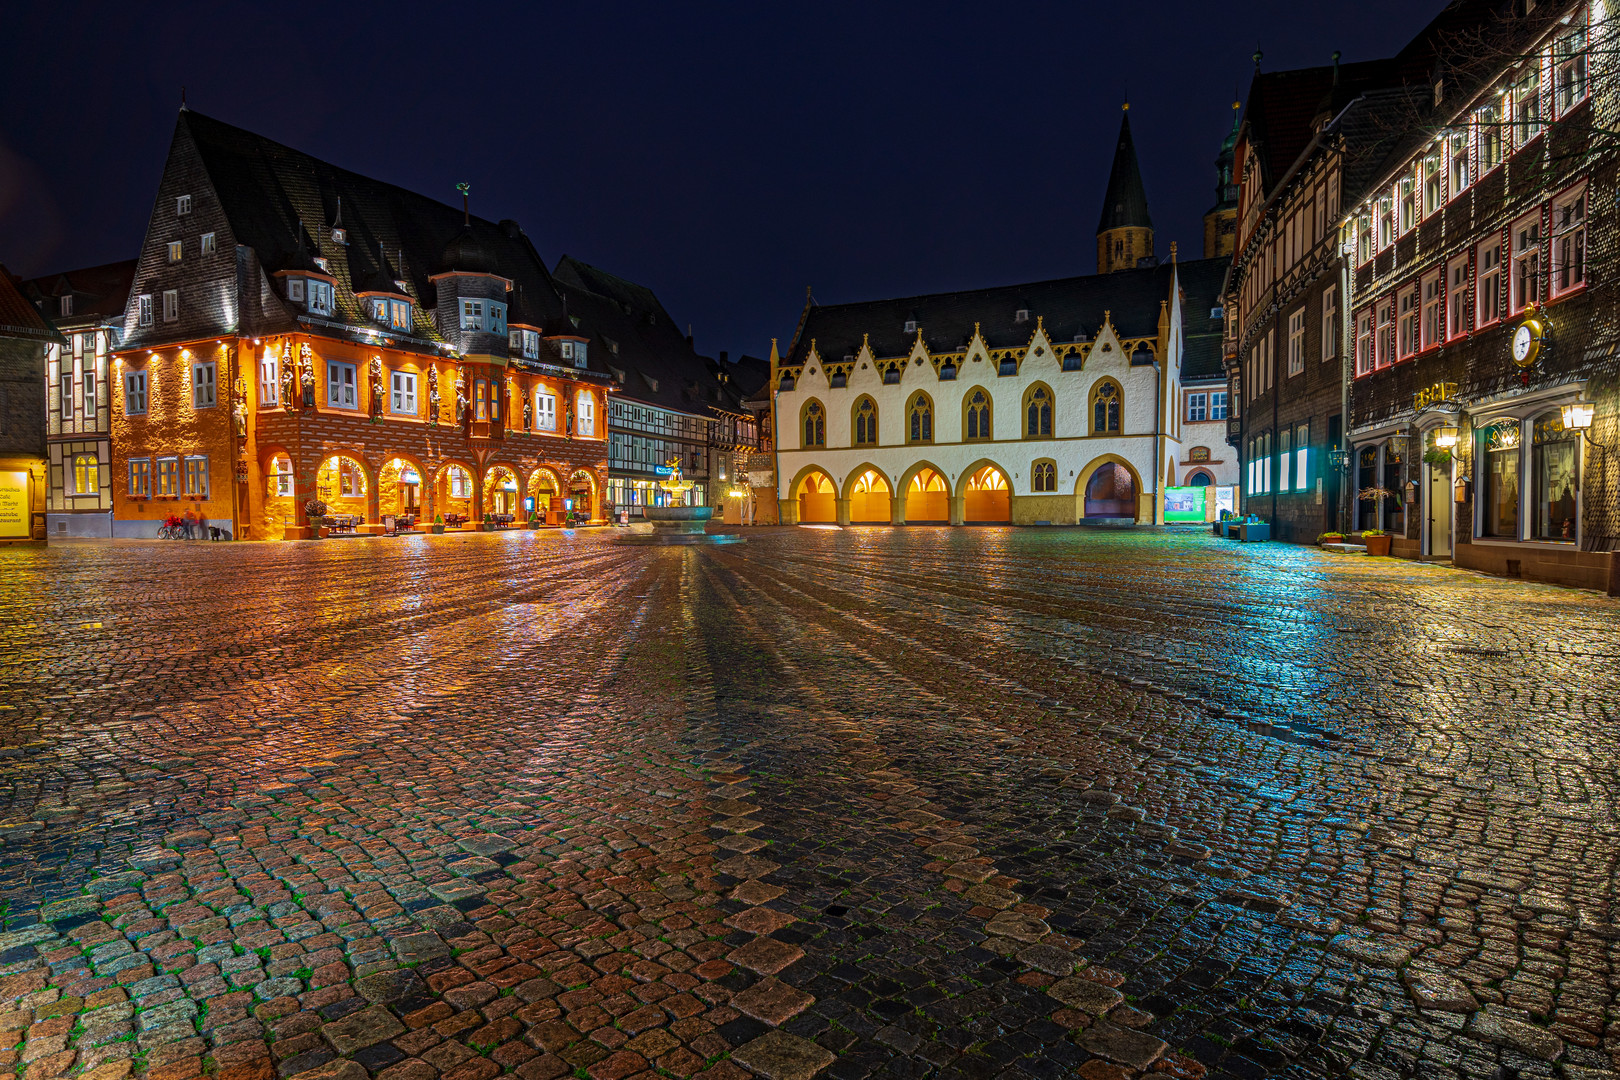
(171,529)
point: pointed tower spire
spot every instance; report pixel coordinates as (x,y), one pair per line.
(1125,230)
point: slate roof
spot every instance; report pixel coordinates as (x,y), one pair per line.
(18,317)
(1201,284)
(282,203)
(99,293)
(1068,307)
(631,333)
(1283,106)
(1125,203)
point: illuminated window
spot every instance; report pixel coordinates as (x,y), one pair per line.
(175,250)
(1406,203)
(921,419)
(1105,407)
(1038,413)
(86,472)
(1488,294)
(1526,282)
(460,483)
(1364,237)
(1500,479)
(1489,125)
(865,422)
(976,416)
(168,477)
(1432,175)
(586,404)
(140,477)
(197,476)
(1569,242)
(1285,460)
(1302,456)
(1554,458)
(1457,298)
(402,392)
(1526,105)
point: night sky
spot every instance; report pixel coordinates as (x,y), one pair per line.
(727,155)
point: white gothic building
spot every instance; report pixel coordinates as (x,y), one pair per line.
(1054,401)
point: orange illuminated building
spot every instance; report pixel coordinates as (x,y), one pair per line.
(297,332)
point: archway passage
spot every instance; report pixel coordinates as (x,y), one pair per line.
(817,500)
(340,483)
(987,497)
(280,505)
(927,498)
(453,494)
(870,501)
(1111,492)
(546,491)
(1199,479)
(582,495)
(399,489)
(501,492)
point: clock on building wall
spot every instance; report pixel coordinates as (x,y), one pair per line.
(1528,339)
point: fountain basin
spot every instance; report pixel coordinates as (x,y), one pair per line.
(680,525)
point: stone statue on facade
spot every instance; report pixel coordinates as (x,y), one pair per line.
(288,398)
(568,420)
(528,414)
(376,389)
(463,417)
(433,395)
(239,418)
(306,374)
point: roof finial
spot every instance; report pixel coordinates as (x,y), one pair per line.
(1258,56)
(466,214)
(182,99)
(338,224)
(1172,251)
(1336,55)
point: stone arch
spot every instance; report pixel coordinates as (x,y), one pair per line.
(452,496)
(985,489)
(1117,506)
(281,506)
(545,487)
(1038,412)
(919,419)
(1200,478)
(925,493)
(346,482)
(586,493)
(397,494)
(870,496)
(816,493)
(978,414)
(497,497)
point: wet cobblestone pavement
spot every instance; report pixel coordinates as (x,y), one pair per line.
(975,803)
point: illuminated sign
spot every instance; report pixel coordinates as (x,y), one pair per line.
(15,519)
(1433,395)
(1184,504)
(663,470)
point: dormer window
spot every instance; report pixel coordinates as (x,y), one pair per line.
(525,343)
(395,314)
(575,351)
(472,314)
(326,267)
(402,286)
(295,290)
(911,326)
(340,236)
(1022,315)
(497,318)
(320,297)
(65,304)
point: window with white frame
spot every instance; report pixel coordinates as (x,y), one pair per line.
(525,343)
(87,388)
(1569,69)
(1457,153)
(472,314)
(1407,331)
(134,393)
(1569,242)
(585,412)
(399,314)
(402,393)
(269,380)
(1364,341)
(204,391)
(1197,408)
(64,392)
(168,477)
(140,477)
(176,249)
(1217,405)
(1457,298)
(1433,188)
(295,290)
(1525,100)
(171,305)
(1488,123)
(281,478)
(320,297)
(208,246)
(1296,342)
(545,410)
(182,205)
(496,318)
(1430,286)
(197,476)
(1488,278)
(1525,287)
(1330,322)
(341,388)
(1386,221)
(144,310)
(1384,346)
(460,483)
(1406,205)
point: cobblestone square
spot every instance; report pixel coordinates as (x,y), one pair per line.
(901,802)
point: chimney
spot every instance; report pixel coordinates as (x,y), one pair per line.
(723,358)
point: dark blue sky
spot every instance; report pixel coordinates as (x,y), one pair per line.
(725,154)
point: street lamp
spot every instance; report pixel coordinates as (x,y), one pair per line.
(1340,458)
(1445,438)
(1578,415)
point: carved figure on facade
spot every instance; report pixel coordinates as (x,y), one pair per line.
(239,418)
(463,417)
(568,415)
(528,414)
(376,389)
(289,400)
(306,374)
(433,395)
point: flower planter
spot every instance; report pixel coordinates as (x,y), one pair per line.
(438,530)
(323,532)
(1378,545)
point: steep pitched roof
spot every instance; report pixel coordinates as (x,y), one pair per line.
(1283,106)
(19,318)
(1201,284)
(99,292)
(1069,308)
(1125,204)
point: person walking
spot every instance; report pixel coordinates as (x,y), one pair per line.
(188,523)
(202,525)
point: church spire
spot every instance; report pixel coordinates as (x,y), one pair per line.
(1125,230)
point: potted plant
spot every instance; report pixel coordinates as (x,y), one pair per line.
(1438,456)
(1331,538)
(315,511)
(438,525)
(1378,541)
(534,519)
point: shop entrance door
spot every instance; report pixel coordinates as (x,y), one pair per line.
(1441,511)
